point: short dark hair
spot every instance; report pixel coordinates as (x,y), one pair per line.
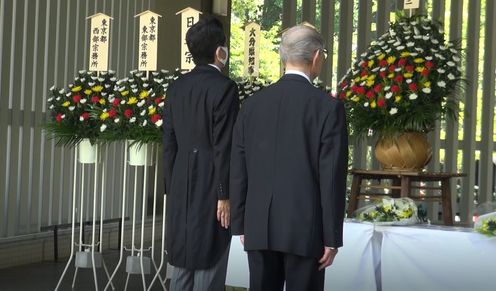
(203,39)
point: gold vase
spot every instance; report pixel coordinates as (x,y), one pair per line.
(409,151)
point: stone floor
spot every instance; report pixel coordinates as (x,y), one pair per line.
(44,277)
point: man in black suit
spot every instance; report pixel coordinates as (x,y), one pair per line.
(288,173)
(200,112)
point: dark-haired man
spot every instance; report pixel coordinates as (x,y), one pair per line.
(200,112)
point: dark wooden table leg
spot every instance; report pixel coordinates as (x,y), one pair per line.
(355,191)
(446,200)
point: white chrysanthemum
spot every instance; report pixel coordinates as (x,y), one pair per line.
(363,54)
(417,36)
(401,47)
(393,111)
(143,112)
(144,123)
(68,94)
(71,108)
(398,69)
(50,99)
(397,43)
(451,76)
(427,90)
(81,118)
(161,104)
(104,94)
(117,120)
(94,78)
(376,69)
(145,85)
(451,64)
(391,41)
(113,79)
(51,106)
(132,120)
(363,83)
(63,116)
(429,58)
(123,102)
(134,90)
(443,48)
(91,84)
(101,79)
(103,127)
(388,50)
(408,81)
(58,98)
(389,95)
(387,88)
(410,44)
(425,37)
(144,79)
(159,123)
(83,101)
(413,96)
(62,91)
(82,71)
(453,50)
(414,54)
(383,69)
(456,59)
(434,41)
(366,104)
(441,71)
(141,103)
(441,84)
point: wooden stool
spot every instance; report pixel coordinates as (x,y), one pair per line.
(402,185)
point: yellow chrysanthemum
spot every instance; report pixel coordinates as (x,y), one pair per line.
(76,89)
(371,77)
(66,103)
(397,99)
(357,79)
(391,60)
(355,98)
(104,115)
(381,57)
(97,88)
(391,75)
(132,100)
(419,69)
(371,63)
(101,101)
(405,54)
(124,93)
(87,91)
(373,104)
(152,110)
(364,77)
(418,60)
(348,93)
(427,84)
(370,83)
(143,94)
(407,75)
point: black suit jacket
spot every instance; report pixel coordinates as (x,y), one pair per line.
(200,112)
(288,169)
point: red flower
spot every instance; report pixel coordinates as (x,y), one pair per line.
(343,84)
(361,90)
(398,79)
(395,88)
(85,115)
(410,68)
(363,64)
(363,73)
(59,117)
(392,68)
(342,95)
(76,98)
(128,113)
(381,102)
(425,72)
(413,86)
(370,94)
(382,74)
(429,64)
(95,99)
(158,100)
(116,102)
(112,113)
(155,118)
(401,62)
(383,63)
(378,88)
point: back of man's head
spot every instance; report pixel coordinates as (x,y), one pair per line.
(203,39)
(299,44)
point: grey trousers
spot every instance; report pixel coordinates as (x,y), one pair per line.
(213,279)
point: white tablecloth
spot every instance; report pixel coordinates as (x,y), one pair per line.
(437,259)
(353,268)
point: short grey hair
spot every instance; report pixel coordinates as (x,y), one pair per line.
(299,44)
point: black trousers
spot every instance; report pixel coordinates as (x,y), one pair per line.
(269,270)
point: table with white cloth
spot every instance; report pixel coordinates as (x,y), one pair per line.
(392,258)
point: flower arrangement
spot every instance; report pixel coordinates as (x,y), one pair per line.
(486,224)
(134,111)
(70,118)
(249,86)
(389,211)
(404,82)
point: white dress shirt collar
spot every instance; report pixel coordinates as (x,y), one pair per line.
(212,65)
(296,72)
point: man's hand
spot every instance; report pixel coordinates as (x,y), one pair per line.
(327,258)
(242,239)
(223,213)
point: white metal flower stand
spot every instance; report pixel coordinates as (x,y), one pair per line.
(136,262)
(87,255)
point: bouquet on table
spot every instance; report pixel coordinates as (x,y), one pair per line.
(249,86)
(486,224)
(400,211)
